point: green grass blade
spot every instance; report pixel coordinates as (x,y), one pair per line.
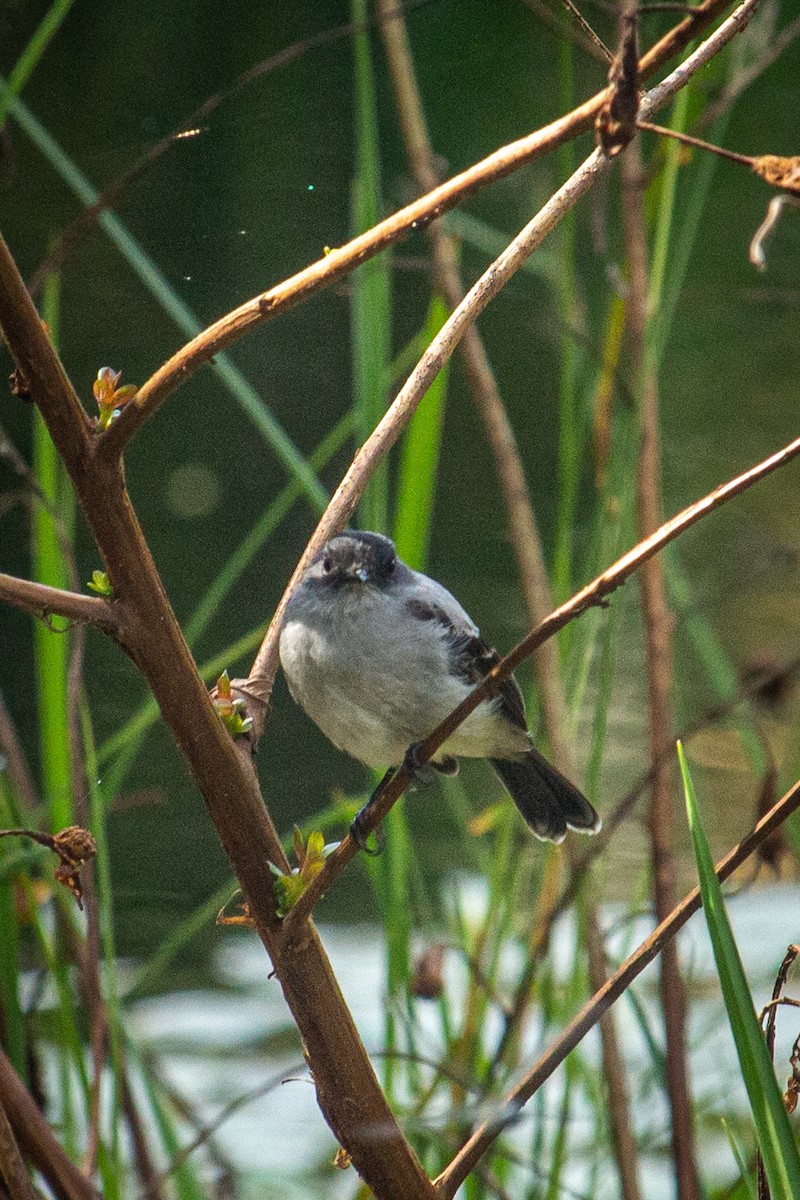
(143,266)
(720,673)
(52,642)
(775,1138)
(741,1162)
(183,1175)
(371,284)
(419,460)
(25,65)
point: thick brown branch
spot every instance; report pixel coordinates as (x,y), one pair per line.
(347,1088)
(595,592)
(35,357)
(14,1177)
(470,1154)
(44,602)
(344,259)
(37,1140)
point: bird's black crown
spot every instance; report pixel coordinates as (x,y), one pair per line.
(356,556)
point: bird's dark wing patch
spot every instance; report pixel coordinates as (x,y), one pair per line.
(471,659)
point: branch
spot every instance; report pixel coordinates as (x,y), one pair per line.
(400,412)
(16,768)
(37,1139)
(594,593)
(343,259)
(35,357)
(464,1162)
(658,641)
(44,601)
(13,1174)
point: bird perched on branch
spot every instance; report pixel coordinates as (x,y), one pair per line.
(378,655)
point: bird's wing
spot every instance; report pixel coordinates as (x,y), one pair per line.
(471,657)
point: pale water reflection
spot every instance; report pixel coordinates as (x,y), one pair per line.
(215,1046)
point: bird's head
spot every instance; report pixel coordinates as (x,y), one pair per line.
(354,558)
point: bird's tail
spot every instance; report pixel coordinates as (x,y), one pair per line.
(547,800)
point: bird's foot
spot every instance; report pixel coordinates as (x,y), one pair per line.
(420,772)
(359,834)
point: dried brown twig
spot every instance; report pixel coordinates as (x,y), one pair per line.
(658,658)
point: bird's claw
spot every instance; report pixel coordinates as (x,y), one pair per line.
(419,772)
(360,835)
(357,831)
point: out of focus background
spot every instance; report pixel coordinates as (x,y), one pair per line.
(282,140)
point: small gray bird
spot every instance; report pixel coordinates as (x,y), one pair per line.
(378,655)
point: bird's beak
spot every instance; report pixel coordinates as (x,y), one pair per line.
(362,574)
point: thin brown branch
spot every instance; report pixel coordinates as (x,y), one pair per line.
(689,140)
(389,429)
(328,270)
(45,602)
(658,658)
(620,1124)
(593,38)
(594,593)
(612,822)
(470,1154)
(37,1140)
(16,764)
(743,78)
(13,1173)
(565,29)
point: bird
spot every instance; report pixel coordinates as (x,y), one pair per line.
(378,654)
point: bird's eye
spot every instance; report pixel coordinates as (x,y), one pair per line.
(327,564)
(391,564)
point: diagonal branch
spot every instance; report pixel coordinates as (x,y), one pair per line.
(596,592)
(328,270)
(44,602)
(470,1154)
(14,1176)
(37,1141)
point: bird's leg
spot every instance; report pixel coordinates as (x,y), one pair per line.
(419,773)
(357,831)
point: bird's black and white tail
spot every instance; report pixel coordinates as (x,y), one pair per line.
(547,800)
